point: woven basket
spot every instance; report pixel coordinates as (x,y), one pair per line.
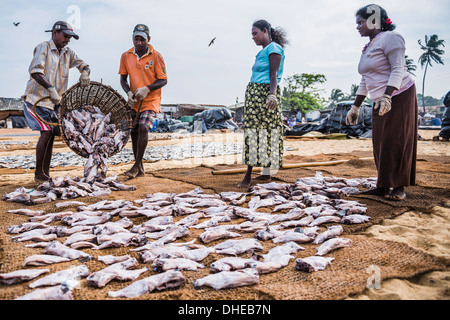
(103,97)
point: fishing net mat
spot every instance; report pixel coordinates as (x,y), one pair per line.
(348,274)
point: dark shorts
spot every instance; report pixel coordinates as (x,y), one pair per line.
(146,117)
(35,123)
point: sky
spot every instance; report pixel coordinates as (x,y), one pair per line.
(322,39)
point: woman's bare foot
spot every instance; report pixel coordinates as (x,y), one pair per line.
(245,183)
(41,178)
(132,173)
(397,194)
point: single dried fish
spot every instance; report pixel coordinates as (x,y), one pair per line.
(333,244)
(228,279)
(74,273)
(161,281)
(21,276)
(313,263)
(331,232)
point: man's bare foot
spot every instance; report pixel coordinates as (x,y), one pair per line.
(140,174)
(41,178)
(132,173)
(397,194)
(264,178)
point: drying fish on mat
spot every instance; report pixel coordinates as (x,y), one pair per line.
(79,237)
(249,226)
(292,235)
(331,232)
(161,264)
(228,279)
(236,247)
(313,263)
(121,271)
(230,196)
(303,222)
(289,205)
(333,244)
(67,188)
(63,291)
(21,276)
(324,219)
(230,263)
(36,235)
(217,233)
(27,226)
(167,280)
(74,273)
(239,202)
(69,204)
(355,218)
(268,266)
(28,212)
(62,231)
(43,260)
(121,239)
(294,214)
(110,259)
(192,254)
(281,250)
(58,249)
(268,233)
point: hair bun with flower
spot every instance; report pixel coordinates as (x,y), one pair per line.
(388,21)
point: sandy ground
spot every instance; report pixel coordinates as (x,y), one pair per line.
(428,231)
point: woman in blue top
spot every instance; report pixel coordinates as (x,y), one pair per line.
(263,124)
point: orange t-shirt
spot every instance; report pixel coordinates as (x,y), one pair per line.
(142,72)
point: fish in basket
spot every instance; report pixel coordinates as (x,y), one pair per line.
(95,123)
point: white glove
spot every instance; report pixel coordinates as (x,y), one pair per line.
(54,96)
(271,102)
(352,116)
(384,103)
(131,100)
(84,79)
(142,92)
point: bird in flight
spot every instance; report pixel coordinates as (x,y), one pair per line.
(212,41)
(16,23)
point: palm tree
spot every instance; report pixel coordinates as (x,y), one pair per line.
(432,53)
(410,66)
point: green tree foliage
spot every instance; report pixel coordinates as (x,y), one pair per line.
(301,93)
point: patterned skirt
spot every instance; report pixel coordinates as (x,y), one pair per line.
(263,129)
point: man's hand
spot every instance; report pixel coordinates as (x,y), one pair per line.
(142,92)
(352,116)
(84,78)
(271,102)
(131,100)
(384,103)
(54,96)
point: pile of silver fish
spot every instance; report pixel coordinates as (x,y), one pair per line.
(233,226)
(65,188)
(89,131)
(152,153)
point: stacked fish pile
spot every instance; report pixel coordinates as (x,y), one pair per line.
(66,188)
(231,224)
(89,132)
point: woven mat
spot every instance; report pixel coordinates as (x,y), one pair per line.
(347,275)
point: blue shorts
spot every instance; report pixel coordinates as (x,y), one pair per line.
(45,114)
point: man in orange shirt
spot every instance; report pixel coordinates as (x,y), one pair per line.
(147,72)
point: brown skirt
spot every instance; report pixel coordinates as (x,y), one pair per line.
(394,138)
